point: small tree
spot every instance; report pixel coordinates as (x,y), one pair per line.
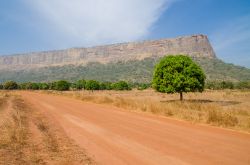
(120,85)
(43,86)
(106,86)
(92,85)
(178,74)
(80,84)
(10,85)
(1,86)
(62,85)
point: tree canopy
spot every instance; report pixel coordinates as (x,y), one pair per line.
(92,85)
(10,85)
(178,74)
(61,85)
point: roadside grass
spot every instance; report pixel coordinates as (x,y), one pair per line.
(14,135)
(224,108)
(30,137)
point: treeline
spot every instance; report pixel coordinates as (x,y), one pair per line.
(217,85)
(63,85)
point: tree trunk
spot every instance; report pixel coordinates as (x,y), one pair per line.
(181,96)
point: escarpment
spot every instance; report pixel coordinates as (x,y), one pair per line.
(194,46)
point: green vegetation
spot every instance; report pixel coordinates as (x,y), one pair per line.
(178,74)
(121,85)
(217,85)
(130,71)
(10,85)
(92,85)
(62,85)
(80,84)
(138,73)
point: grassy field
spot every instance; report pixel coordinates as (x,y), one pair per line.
(31,137)
(225,108)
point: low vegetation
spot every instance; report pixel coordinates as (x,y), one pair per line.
(92,85)
(223,108)
(63,85)
(131,71)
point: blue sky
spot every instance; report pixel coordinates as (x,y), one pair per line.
(38,25)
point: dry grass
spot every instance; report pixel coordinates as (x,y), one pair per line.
(30,137)
(227,108)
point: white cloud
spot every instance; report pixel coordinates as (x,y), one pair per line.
(91,22)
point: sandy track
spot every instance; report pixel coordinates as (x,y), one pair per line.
(113,136)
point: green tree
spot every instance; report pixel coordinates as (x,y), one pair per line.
(92,85)
(43,86)
(1,86)
(34,86)
(31,86)
(226,85)
(80,84)
(103,86)
(10,85)
(178,74)
(62,85)
(120,85)
(52,85)
(243,85)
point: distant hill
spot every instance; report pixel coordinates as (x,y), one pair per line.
(133,71)
(132,62)
(194,46)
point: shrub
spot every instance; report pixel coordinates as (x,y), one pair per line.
(61,85)
(121,85)
(80,84)
(43,86)
(143,86)
(10,85)
(92,85)
(243,85)
(52,85)
(226,85)
(1,86)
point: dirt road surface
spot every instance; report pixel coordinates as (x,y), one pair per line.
(113,136)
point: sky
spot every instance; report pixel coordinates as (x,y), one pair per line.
(40,25)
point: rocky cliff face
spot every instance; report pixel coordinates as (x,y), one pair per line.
(195,46)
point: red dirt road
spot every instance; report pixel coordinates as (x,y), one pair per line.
(113,136)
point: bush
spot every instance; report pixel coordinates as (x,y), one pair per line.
(121,85)
(43,86)
(52,85)
(61,85)
(10,85)
(105,86)
(92,85)
(226,85)
(80,84)
(143,86)
(243,85)
(32,86)
(1,86)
